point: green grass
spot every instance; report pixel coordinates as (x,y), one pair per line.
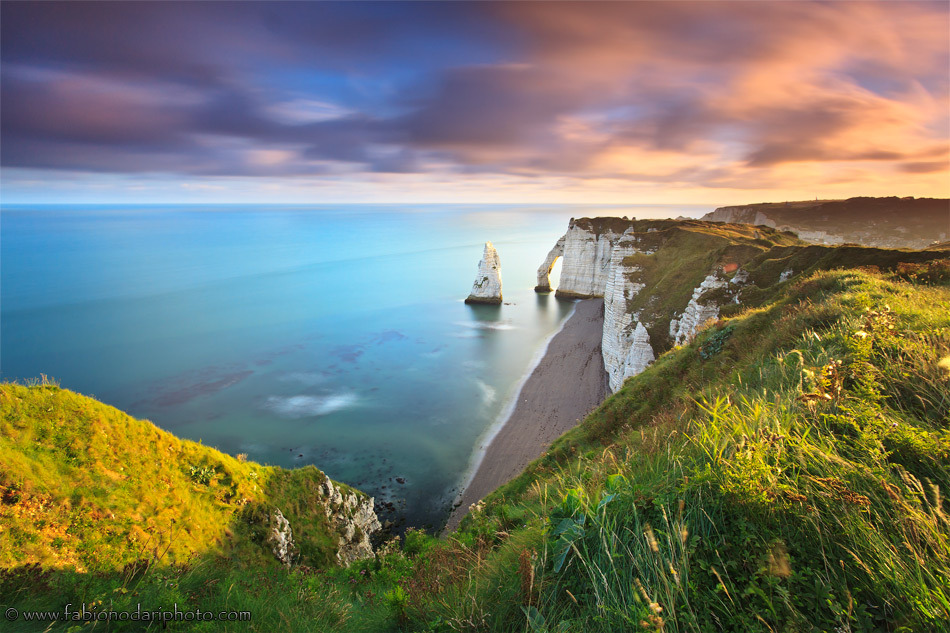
(86,486)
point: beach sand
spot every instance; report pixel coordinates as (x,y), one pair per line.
(567,384)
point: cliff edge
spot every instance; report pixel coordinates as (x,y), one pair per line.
(663,280)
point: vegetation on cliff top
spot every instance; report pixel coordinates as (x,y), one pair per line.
(99,508)
(88,487)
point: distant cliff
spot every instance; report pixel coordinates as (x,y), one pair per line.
(662,280)
(883,222)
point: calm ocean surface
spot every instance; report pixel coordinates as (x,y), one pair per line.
(333,336)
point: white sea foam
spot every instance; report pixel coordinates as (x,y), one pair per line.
(488,392)
(310,406)
(487,325)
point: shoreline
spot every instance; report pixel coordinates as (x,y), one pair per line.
(505,415)
(563,386)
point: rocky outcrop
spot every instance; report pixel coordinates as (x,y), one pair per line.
(487,286)
(281,539)
(355,521)
(702,307)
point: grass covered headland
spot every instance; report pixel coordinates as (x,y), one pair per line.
(785,471)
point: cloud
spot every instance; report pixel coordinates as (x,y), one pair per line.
(706,94)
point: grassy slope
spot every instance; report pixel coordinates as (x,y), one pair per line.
(88,487)
(793,480)
(100,508)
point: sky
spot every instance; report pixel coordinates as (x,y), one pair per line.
(619,102)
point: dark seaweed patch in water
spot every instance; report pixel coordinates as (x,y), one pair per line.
(347,353)
(388,336)
(193,385)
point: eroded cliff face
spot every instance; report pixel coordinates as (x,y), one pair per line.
(487,285)
(586,249)
(626,344)
(661,280)
(586,262)
(697,312)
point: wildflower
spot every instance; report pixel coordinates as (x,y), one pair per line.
(676,576)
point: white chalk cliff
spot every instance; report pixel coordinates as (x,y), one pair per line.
(593,266)
(585,263)
(598,262)
(625,344)
(487,285)
(753,215)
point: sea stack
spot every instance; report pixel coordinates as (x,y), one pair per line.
(487,286)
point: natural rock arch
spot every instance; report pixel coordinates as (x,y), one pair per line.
(544,271)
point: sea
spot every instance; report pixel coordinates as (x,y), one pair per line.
(332,335)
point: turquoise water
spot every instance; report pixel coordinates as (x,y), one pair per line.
(333,336)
